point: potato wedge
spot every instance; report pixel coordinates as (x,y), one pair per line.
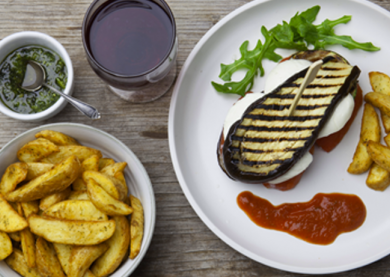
(380,82)
(75,232)
(17,262)
(56,137)
(82,257)
(111,170)
(370,130)
(37,169)
(14,174)
(379,100)
(63,253)
(75,210)
(378,178)
(36,150)
(15,236)
(47,262)
(5,246)
(118,246)
(105,202)
(55,180)
(78,195)
(380,154)
(136,226)
(386,122)
(29,208)
(104,181)
(103,162)
(91,164)
(55,198)
(28,246)
(81,152)
(387,140)
(10,220)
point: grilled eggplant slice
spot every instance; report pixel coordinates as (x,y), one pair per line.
(266,143)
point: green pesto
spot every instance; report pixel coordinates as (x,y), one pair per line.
(12,70)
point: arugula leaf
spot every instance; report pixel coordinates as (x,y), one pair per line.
(298,34)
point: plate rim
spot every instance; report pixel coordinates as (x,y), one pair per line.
(152,223)
(177,168)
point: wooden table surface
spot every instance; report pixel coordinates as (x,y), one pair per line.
(182,244)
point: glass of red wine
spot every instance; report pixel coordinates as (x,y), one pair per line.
(132,46)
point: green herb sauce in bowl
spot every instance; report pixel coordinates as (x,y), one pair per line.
(12,70)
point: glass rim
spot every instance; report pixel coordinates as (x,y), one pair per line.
(90,56)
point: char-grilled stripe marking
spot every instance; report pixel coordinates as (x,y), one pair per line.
(304,96)
(282,118)
(293,85)
(260,151)
(282,107)
(252,163)
(275,129)
(262,140)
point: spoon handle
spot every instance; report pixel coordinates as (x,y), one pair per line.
(84,108)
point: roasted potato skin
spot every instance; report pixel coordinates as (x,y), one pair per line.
(378,178)
(55,180)
(136,227)
(17,262)
(47,262)
(36,150)
(5,246)
(370,131)
(380,154)
(75,232)
(82,257)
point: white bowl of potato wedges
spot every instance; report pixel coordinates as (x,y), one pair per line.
(74,201)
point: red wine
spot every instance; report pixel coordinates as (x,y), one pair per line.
(130,37)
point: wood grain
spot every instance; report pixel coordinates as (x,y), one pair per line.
(182,245)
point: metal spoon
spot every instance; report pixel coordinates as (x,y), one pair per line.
(34,79)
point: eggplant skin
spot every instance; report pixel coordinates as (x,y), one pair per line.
(265,143)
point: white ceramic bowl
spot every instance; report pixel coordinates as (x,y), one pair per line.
(17,40)
(137,179)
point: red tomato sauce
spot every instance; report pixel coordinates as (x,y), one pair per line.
(318,221)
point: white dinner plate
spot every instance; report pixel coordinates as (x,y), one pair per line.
(136,176)
(197,114)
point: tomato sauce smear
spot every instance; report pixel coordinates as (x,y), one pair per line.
(318,221)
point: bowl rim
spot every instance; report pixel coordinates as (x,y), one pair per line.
(147,236)
(61,102)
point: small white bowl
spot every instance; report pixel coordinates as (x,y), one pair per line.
(17,40)
(136,176)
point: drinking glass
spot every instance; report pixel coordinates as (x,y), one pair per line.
(151,82)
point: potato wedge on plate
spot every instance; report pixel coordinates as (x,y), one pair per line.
(81,152)
(56,137)
(14,174)
(118,247)
(370,130)
(105,202)
(10,220)
(75,210)
(378,178)
(55,180)
(380,82)
(379,100)
(82,257)
(380,154)
(136,226)
(5,246)
(47,262)
(36,150)
(17,262)
(75,232)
